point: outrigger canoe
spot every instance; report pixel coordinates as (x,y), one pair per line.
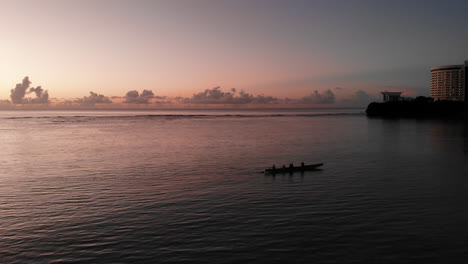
(293,169)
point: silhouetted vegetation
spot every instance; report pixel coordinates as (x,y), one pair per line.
(421,107)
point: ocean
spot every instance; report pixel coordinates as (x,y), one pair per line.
(178,186)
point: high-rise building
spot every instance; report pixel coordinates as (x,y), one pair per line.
(449,82)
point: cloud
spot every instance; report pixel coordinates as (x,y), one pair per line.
(217,96)
(66,103)
(133,97)
(262,99)
(352,97)
(93,99)
(327,97)
(359,99)
(42,97)
(18,94)
(38,90)
(363,97)
(211,96)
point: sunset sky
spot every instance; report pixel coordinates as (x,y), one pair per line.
(275,48)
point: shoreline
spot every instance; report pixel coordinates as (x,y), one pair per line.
(420,108)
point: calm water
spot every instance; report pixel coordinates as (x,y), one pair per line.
(183,186)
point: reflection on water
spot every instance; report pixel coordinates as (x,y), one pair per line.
(125,189)
(450,134)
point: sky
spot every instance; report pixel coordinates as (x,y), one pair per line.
(332,53)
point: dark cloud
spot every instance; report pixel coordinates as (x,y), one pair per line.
(164,102)
(38,91)
(363,97)
(359,99)
(178,99)
(262,99)
(42,97)
(217,96)
(211,96)
(93,99)
(133,97)
(327,97)
(243,98)
(18,94)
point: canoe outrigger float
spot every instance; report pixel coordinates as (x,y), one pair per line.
(293,169)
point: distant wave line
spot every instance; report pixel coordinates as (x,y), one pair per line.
(186,116)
